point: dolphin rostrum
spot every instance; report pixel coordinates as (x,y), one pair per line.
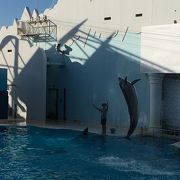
(130,95)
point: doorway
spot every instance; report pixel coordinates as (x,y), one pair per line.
(56,104)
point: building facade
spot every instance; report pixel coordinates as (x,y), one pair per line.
(96,42)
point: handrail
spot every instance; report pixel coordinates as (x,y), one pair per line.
(162,129)
(173,132)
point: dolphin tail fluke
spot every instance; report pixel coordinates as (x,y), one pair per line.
(127,137)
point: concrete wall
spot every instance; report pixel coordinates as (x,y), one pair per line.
(160,49)
(122,12)
(90,76)
(26,68)
(100,50)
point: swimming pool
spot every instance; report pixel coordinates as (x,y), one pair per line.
(39,153)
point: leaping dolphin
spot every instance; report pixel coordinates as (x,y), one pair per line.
(130,95)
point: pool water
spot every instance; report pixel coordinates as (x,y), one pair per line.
(39,153)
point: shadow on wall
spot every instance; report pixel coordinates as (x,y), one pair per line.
(32,79)
(26,81)
(90,76)
(72,33)
(12,71)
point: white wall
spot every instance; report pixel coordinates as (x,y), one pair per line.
(160,49)
(122,13)
(26,67)
(165,12)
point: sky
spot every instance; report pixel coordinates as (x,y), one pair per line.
(11,9)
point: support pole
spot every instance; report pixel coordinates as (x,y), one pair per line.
(64,114)
(155,81)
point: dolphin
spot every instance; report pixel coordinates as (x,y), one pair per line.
(130,95)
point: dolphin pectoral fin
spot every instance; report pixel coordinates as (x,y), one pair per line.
(135,81)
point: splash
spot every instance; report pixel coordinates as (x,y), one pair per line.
(132,165)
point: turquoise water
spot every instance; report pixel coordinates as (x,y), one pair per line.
(38,153)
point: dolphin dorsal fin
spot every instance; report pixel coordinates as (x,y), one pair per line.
(125,79)
(135,81)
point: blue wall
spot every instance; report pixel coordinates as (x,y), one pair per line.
(3,79)
(3,94)
(90,76)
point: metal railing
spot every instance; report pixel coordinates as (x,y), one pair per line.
(157,132)
(39,30)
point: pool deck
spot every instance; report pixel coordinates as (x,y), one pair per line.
(12,121)
(63,125)
(79,126)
